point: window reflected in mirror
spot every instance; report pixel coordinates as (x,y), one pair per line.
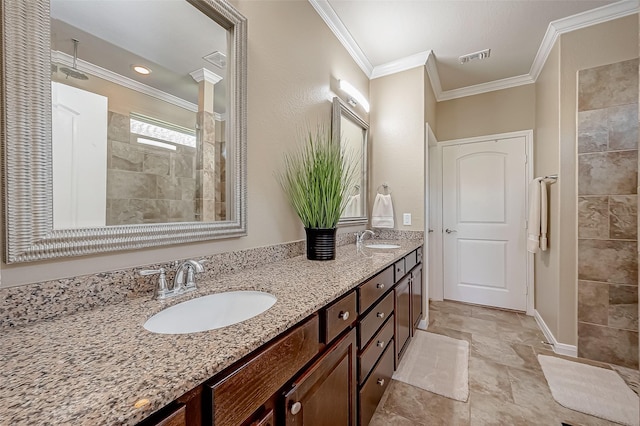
(139,97)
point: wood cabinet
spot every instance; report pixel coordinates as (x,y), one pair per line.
(403,316)
(325,394)
(416,296)
(374,387)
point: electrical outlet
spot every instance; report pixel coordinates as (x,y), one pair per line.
(406,219)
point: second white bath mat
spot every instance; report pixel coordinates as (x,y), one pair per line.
(591,390)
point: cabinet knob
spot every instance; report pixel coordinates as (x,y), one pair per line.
(343,315)
(380,382)
(296,407)
(380,344)
(380,314)
(380,285)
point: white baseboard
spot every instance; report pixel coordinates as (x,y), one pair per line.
(559,348)
(422,325)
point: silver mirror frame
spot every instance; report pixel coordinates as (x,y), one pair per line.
(340,109)
(25,131)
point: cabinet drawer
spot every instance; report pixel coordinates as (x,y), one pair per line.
(375,386)
(374,319)
(410,261)
(236,397)
(399,270)
(376,347)
(419,254)
(339,316)
(373,289)
(178,417)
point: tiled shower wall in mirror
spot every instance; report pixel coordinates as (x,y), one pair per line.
(607,213)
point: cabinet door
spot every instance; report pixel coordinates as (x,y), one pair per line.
(325,395)
(403,316)
(416,296)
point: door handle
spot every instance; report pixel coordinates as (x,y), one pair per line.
(430,230)
(450,231)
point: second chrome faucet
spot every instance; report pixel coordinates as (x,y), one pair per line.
(181,285)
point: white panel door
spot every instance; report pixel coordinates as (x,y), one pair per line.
(484,210)
(79,144)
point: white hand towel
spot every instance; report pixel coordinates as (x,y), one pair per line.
(533,231)
(543,215)
(382,212)
(537,229)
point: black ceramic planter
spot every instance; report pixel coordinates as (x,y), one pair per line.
(321,243)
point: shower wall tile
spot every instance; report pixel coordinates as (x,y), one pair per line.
(118,128)
(123,184)
(607,344)
(608,85)
(622,294)
(593,217)
(623,127)
(593,302)
(608,173)
(623,217)
(624,316)
(156,164)
(593,131)
(125,157)
(608,261)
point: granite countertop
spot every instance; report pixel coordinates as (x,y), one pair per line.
(92,367)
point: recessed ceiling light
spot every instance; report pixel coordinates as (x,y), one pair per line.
(475,56)
(141,70)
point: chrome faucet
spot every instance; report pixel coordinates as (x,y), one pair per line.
(361,234)
(190,267)
(180,285)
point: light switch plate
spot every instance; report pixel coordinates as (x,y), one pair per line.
(406,219)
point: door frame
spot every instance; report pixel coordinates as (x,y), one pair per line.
(437,286)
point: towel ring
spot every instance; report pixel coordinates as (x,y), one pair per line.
(386,189)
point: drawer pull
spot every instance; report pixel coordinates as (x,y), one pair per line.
(380,286)
(380,344)
(380,382)
(296,407)
(343,315)
(380,314)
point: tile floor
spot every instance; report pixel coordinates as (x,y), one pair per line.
(506,383)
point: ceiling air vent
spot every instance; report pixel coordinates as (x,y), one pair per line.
(216,58)
(476,56)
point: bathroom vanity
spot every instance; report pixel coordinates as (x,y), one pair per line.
(331,368)
(327,347)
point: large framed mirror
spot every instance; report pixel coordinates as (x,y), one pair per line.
(352,132)
(123,125)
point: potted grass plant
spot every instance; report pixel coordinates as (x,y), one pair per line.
(316,179)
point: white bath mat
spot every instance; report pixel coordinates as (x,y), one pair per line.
(591,390)
(438,364)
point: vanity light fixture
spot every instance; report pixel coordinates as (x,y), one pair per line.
(141,70)
(355,97)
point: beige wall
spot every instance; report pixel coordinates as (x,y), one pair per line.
(546,152)
(556,280)
(430,105)
(397,142)
(490,113)
(293,68)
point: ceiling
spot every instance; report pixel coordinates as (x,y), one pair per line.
(170,37)
(386,36)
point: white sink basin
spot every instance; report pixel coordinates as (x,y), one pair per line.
(210,312)
(383,246)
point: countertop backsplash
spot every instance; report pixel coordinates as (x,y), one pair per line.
(32,303)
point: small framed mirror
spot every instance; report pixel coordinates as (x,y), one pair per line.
(353,132)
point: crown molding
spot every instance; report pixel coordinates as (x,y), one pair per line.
(476,89)
(403,64)
(105,74)
(206,75)
(334,23)
(575,22)
(554,30)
